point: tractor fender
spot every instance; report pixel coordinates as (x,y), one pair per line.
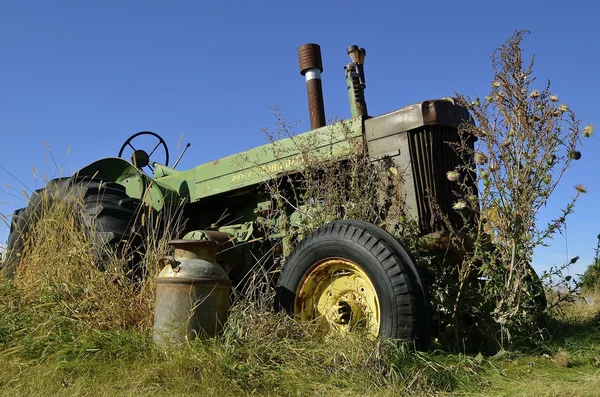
(137,184)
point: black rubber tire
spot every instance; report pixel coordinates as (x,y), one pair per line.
(424,303)
(108,213)
(370,248)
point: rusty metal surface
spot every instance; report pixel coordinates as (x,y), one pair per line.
(187,244)
(416,137)
(441,112)
(195,281)
(183,312)
(309,57)
(195,249)
(218,237)
(316,106)
(432,157)
(395,149)
(192,294)
(355,81)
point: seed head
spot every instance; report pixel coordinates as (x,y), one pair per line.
(575,154)
(563,108)
(480,158)
(496,83)
(553,98)
(588,130)
(580,188)
(452,176)
(459,205)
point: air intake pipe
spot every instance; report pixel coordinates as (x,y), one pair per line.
(355,81)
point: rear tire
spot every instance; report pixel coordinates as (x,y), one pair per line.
(108,214)
(365,255)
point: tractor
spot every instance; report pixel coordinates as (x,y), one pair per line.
(348,271)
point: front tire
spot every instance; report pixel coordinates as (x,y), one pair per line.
(347,274)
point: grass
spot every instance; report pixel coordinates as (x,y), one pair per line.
(68,328)
(124,363)
(263,353)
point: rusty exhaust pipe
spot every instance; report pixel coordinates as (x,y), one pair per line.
(311,67)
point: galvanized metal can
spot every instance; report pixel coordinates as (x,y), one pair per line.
(192,294)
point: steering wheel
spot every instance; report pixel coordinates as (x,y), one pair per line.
(141,158)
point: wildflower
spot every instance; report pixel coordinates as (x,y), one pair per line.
(480,158)
(580,188)
(534,94)
(588,130)
(452,176)
(496,83)
(553,98)
(563,108)
(459,205)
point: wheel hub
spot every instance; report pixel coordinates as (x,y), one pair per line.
(140,158)
(339,293)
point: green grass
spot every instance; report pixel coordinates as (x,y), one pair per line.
(251,358)
(70,329)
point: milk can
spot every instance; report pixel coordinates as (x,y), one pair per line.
(192,294)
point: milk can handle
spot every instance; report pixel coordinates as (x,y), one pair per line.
(171,261)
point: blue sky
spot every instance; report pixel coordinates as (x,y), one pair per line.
(83,76)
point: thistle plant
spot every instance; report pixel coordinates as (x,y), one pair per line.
(526,140)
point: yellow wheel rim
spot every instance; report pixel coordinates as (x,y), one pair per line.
(340,295)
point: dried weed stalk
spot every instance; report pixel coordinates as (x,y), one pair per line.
(526,141)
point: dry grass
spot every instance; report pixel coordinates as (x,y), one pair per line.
(60,273)
(69,328)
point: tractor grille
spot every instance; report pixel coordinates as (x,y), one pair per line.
(432,157)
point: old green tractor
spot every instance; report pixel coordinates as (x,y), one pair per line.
(347,271)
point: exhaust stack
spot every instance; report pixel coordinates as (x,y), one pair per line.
(355,81)
(311,67)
